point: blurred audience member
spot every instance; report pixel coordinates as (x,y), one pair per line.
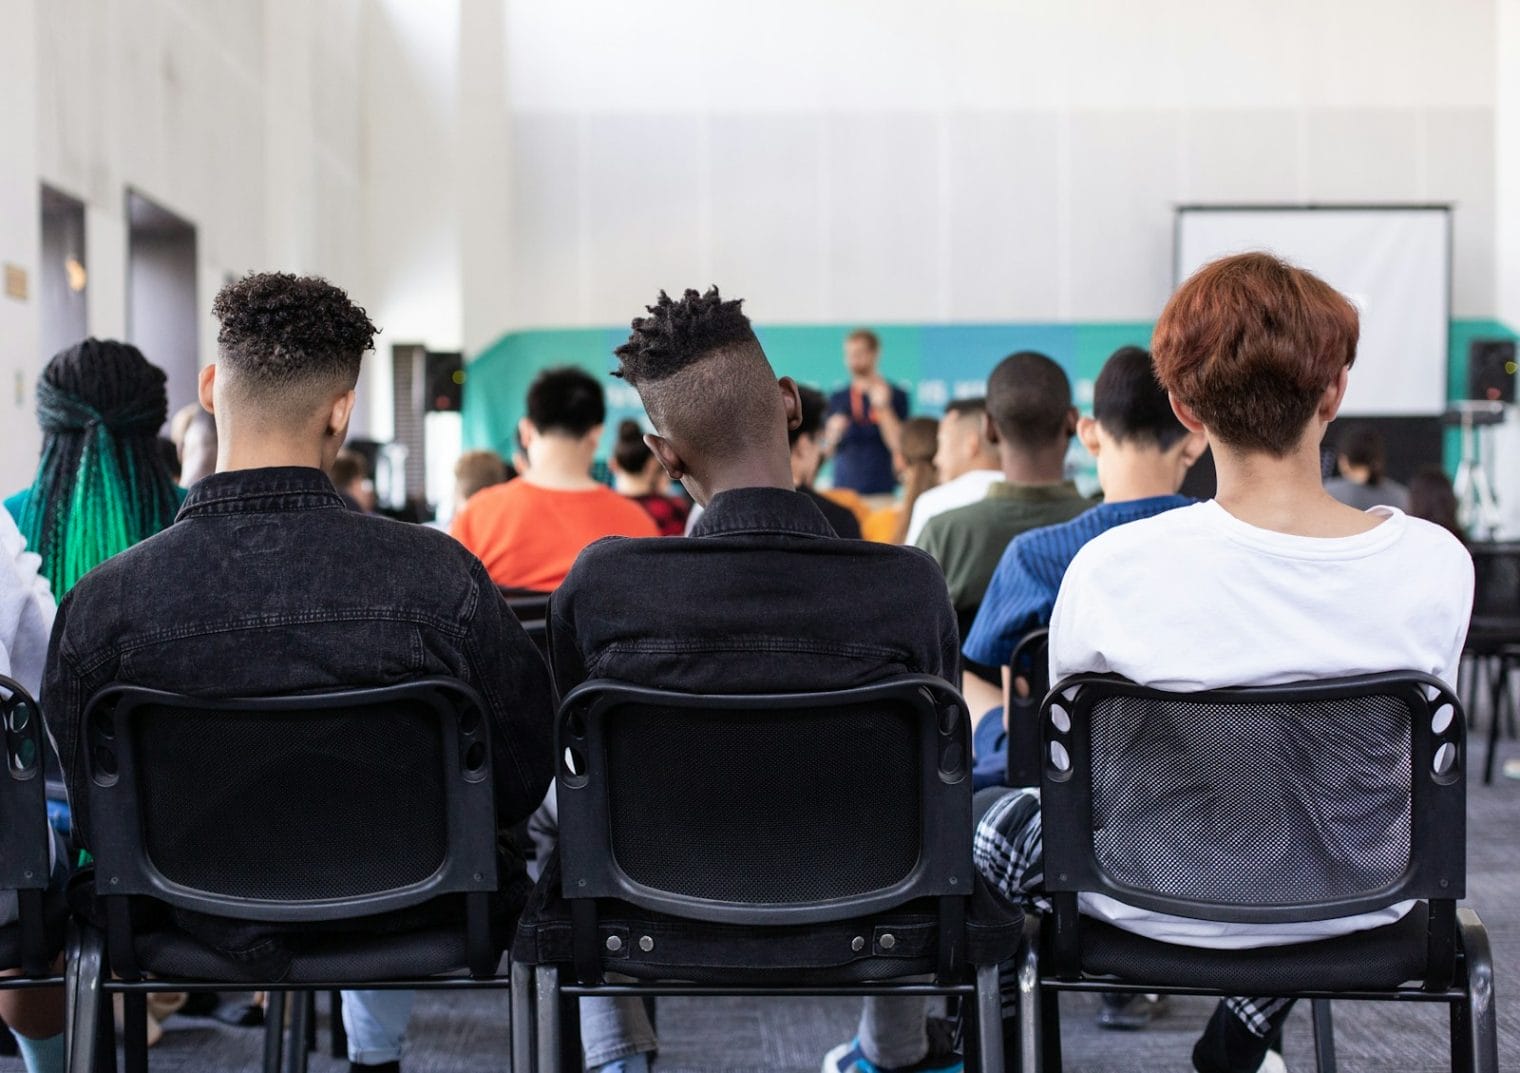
(529,531)
(350,476)
(1360,463)
(865,420)
(1432,498)
(193,431)
(807,457)
(914,462)
(637,474)
(475,471)
(966,460)
(101,485)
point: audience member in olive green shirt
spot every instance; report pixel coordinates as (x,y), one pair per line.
(968,542)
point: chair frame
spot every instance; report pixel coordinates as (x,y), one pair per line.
(125,869)
(1023,715)
(1459,963)
(590,870)
(24,835)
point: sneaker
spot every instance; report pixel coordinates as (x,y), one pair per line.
(849,1058)
(1130,1013)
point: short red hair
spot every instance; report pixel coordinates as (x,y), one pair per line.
(1250,343)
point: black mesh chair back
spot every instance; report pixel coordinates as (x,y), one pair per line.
(292,809)
(1031,662)
(24,836)
(774,809)
(1496,596)
(1267,805)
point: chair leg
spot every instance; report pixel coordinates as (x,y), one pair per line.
(1031,1020)
(295,1047)
(274,1030)
(1496,674)
(521,1024)
(82,999)
(1050,1014)
(546,1007)
(989,1019)
(338,1047)
(135,1031)
(1324,1036)
(105,1033)
(1478,1011)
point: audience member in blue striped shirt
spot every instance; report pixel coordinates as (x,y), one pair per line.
(1143,453)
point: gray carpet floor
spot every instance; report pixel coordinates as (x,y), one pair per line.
(468,1033)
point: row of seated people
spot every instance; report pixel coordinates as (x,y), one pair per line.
(268,584)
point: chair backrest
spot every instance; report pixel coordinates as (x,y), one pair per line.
(1265,805)
(531,609)
(1496,586)
(765,810)
(300,808)
(24,835)
(1031,662)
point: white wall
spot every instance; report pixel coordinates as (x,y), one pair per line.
(20,224)
(883,160)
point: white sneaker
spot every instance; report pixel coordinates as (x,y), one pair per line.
(1272,1063)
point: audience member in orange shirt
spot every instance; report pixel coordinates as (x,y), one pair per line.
(528,531)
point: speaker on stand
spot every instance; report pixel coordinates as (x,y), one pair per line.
(1491,368)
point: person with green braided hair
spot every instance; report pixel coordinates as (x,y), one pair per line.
(101,485)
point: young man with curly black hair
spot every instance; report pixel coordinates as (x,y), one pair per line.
(763,596)
(267,584)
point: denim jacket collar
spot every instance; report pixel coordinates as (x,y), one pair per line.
(761,510)
(271,489)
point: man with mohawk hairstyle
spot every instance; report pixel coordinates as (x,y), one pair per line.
(762,597)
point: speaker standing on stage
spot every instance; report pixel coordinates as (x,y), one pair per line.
(865,420)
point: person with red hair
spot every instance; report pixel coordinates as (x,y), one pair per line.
(1273,581)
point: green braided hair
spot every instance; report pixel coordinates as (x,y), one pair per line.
(102,484)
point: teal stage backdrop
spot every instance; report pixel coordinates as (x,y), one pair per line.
(935,362)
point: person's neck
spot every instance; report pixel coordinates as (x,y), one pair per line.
(559,464)
(1041,466)
(980,464)
(1284,495)
(750,473)
(1142,473)
(233,454)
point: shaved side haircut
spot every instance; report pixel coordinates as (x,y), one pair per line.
(287,343)
(702,375)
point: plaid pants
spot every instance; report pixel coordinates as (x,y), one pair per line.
(1010,854)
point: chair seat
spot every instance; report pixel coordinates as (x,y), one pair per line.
(347,957)
(656,946)
(1376,959)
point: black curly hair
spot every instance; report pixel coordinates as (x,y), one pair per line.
(703,377)
(283,335)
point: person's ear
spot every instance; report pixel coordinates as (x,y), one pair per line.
(338,417)
(1190,448)
(1073,416)
(665,452)
(206,385)
(526,433)
(791,402)
(1334,395)
(1185,414)
(990,430)
(1087,432)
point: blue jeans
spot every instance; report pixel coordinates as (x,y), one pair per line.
(376,1024)
(989,748)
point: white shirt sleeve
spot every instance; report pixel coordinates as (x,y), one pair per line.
(27,608)
(1076,623)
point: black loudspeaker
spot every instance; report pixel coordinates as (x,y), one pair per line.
(445,382)
(1491,370)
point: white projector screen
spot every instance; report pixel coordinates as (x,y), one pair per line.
(1394,263)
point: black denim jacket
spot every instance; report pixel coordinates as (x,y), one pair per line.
(267,583)
(762,596)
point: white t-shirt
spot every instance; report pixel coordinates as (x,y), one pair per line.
(26,609)
(1197,599)
(963,491)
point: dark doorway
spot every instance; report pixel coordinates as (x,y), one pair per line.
(162,297)
(61,276)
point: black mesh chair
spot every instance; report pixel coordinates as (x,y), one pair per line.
(1493,639)
(274,810)
(793,844)
(30,943)
(1273,805)
(1031,662)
